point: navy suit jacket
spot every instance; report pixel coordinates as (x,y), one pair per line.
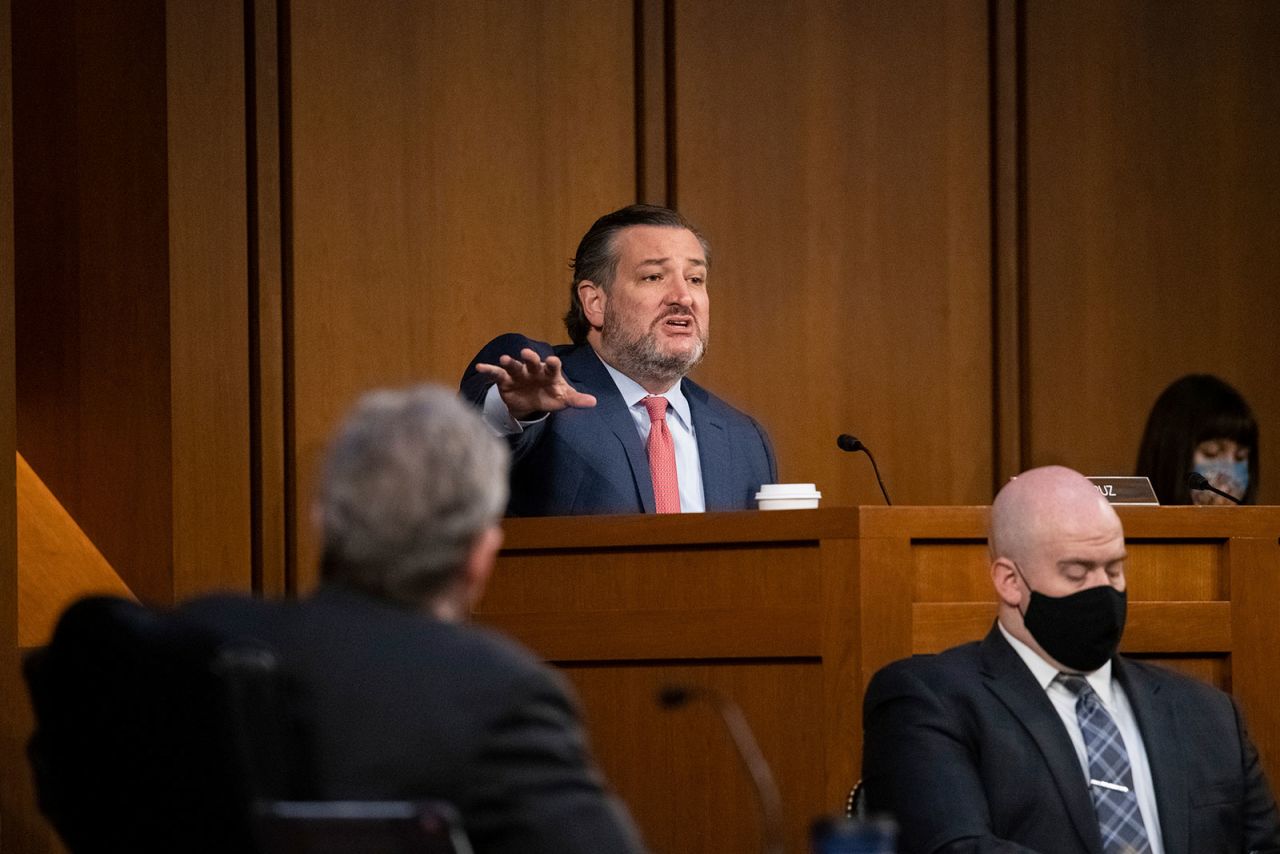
(968,752)
(580,461)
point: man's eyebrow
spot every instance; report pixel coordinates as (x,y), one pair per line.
(660,261)
(1080,561)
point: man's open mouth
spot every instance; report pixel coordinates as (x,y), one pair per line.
(679,321)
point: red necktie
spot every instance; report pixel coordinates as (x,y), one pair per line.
(662,457)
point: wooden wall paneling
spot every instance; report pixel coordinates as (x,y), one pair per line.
(92,274)
(752,602)
(770,576)
(445,160)
(760,607)
(57,563)
(654,44)
(1153,204)
(887,595)
(128,292)
(266,236)
(842,687)
(208,304)
(837,156)
(1008,235)
(19,829)
(130,230)
(947,571)
(1255,589)
(699,770)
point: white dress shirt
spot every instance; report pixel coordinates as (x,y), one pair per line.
(679,422)
(1117,705)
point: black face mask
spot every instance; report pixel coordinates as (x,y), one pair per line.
(1081,630)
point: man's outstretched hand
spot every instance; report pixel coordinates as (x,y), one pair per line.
(530,386)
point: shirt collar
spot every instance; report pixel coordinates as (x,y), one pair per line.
(632,392)
(1045,673)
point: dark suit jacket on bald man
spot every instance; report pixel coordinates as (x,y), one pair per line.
(581,461)
(969,753)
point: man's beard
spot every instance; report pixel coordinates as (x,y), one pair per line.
(640,357)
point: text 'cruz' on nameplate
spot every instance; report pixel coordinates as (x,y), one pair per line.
(1126,490)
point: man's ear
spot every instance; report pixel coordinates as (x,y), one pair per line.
(1004,577)
(479,565)
(593,299)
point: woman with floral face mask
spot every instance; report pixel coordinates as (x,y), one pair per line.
(1201,424)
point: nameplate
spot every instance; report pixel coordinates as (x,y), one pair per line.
(1126,490)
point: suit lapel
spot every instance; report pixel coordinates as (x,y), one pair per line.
(586,372)
(714,452)
(1158,724)
(1013,684)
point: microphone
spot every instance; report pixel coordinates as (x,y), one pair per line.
(675,696)
(1197,481)
(845,442)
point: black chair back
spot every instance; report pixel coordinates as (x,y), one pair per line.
(132,749)
(153,735)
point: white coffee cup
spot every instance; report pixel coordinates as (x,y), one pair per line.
(788,496)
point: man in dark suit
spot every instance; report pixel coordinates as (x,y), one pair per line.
(408,701)
(1040,738)
(581,417)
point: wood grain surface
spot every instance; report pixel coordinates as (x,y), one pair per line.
(1152,208)
(793,616)
(446,158)
(980,236)
(836,155)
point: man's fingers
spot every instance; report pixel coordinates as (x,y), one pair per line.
(579,399)
(500,375)
(533,383)
(516,369)
(532,362)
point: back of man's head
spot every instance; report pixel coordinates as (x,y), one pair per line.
(411,480)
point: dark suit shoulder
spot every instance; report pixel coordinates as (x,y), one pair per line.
(367,628)
(958,662)
(1159,676)
(745,434)
(948,680)
(1191,693)
(504,652)
(511,343)
(715,404)
(474,384)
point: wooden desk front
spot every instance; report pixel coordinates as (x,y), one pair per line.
(791,613)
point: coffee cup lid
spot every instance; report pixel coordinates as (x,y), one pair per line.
(787,490)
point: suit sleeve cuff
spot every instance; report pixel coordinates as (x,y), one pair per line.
(498,417)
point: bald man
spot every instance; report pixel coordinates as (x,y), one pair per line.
(1040,737)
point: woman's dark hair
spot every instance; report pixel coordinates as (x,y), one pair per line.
(1191,410)
(597,258)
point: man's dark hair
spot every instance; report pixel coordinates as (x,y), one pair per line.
(1192,410)
(597,257)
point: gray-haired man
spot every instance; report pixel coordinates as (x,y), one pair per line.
(409,701)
